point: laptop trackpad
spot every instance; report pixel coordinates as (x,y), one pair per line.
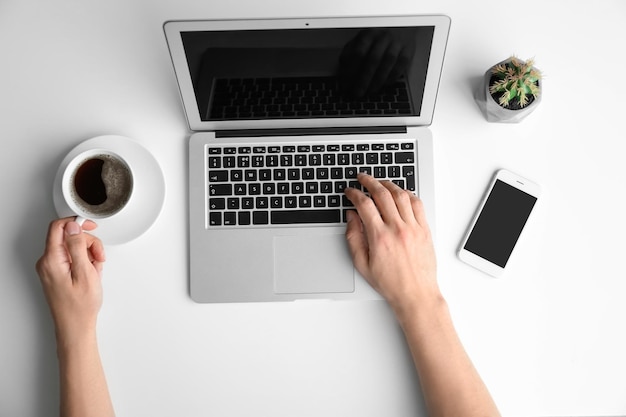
(312,264)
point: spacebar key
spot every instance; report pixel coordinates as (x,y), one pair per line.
(305,216)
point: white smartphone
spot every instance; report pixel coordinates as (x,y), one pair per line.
(499,222)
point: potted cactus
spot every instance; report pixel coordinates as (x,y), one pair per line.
(512,90)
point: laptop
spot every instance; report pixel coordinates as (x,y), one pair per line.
(284,114)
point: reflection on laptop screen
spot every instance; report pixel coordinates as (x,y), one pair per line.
(308,73)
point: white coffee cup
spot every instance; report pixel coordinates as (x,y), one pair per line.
(97,184)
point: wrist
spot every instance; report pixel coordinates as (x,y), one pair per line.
(420,306)
(71,338)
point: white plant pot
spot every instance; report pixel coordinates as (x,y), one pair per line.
(493,111)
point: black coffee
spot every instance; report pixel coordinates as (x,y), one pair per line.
(88,182)
(102,185)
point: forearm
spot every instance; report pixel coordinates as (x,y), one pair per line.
(84,391)
(450,383)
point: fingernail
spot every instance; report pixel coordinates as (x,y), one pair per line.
(72,228)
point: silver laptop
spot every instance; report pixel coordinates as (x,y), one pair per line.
(285,113)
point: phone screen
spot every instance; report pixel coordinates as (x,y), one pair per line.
(500,223)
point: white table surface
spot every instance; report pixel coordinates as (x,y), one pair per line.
(548,338)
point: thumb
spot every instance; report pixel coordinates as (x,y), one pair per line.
(357,243)
(77,247)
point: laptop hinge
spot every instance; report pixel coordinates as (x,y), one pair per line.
(361,130)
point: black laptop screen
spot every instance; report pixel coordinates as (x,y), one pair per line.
(308,73)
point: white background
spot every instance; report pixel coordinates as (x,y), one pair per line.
(548,338)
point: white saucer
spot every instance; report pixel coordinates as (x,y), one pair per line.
(148,190)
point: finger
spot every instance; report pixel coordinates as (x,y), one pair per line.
(369,214)
(96,248)
(402,200)
(55,252)
(56,230)
(89,225)
(381,196)
(76,243)
(357,242)
(419,212)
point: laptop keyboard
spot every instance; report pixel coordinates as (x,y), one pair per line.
(267,185)
(262,98)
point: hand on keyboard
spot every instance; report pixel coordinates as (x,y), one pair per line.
(390,241)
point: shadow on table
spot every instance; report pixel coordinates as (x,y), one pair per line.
(29,245)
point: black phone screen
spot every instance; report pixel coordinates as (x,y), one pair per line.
(500,223)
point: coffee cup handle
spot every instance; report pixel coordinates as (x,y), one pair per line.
(80,220)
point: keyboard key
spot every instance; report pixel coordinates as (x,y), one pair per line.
(297,187)
(250,175)
(254,189)
(283,188)
(304,201)
(217,203)
(215,218)
(218,176)
(240,189)
(276,202)
(379,172)
(260,217)
(291,202)
(229,162)
(404,157)
(336,173)
(233,203)
(247,203)
(215,162)
(340,186)
(236,175)
(220,189)
(393,171)
(308,173)
(230,218)
(408,172)
(244,218)
(371,158)
(265,174)
(305,216)
(269,188)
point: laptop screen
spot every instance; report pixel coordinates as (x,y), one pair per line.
(355,72)
(325,73)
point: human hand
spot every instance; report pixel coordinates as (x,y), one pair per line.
(70,271)
(372,59)
(390,242)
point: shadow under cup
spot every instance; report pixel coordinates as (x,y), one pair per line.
(97,184)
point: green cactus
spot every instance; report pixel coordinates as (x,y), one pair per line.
(515,79)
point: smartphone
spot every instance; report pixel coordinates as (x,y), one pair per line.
(498,223)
